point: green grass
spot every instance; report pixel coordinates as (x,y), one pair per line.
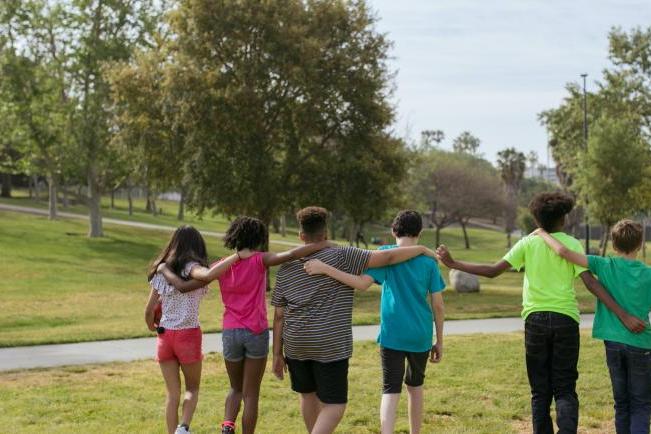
(61,286)
(479,387)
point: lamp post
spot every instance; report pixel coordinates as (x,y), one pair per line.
(585,144)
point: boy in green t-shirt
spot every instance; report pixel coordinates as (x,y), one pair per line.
(550,311)
(628,355)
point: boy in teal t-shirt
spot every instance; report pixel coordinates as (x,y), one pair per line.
(411,293)
(550,312)
(628,354)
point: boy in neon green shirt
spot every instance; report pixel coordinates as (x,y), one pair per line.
(628,354)
(550,311)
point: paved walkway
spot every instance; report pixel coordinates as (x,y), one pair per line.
(149,226)
(124,350)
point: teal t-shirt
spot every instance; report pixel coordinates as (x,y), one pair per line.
(629,283)
(405,310)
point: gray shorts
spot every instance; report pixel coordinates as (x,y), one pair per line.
(240,343)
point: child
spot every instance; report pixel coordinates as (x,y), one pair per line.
(628,355)
(245,334)
(179,338)
(550,311)
(408,289)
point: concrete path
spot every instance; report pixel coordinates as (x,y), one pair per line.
(124,350)
(149,226)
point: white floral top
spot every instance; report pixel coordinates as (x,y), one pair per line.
(180,310)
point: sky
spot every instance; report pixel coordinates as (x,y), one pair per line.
(490,67)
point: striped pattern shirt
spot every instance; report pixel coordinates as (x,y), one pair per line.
(318,309)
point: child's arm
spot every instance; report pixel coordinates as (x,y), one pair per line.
(314,266)
(382,258)
(149,309)
(212,273)
(178,283)
(632,323)
(278,364)
(486,270)
(567,254)
(271,259)
(439,317)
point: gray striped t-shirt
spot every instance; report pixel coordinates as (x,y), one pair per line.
(318,309)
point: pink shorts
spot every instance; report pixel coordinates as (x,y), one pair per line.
(183,345)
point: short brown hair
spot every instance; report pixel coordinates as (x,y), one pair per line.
(627,236)
(312,220)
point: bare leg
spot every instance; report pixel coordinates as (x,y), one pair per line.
(192,376)
(388,409)
(329,417)
(234,398)
(253,372)
(310,407)
(170,370)
(415,395)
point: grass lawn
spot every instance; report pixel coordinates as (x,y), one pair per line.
(479,387)
(61,286)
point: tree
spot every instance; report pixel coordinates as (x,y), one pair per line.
(274,92)
(466,143)
(512,165)
(430,139)
(532,160)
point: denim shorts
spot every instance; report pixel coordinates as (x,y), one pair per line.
(240,343)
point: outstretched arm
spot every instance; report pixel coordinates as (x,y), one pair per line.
(486,270)
(271,259)
(568,254)
(632,323)
(315,266)
(212,273)
(382,258)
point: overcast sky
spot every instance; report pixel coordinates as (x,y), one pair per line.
(491,66)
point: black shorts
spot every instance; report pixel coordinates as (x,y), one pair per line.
(328,380)
(393,369)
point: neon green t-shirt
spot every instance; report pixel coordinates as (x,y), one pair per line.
(548,278)
(629,283)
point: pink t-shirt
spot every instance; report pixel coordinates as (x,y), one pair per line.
(243,289)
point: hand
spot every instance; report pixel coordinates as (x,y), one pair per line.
(161,267)
(429,252)
(278,366)
(443,255)
(634,324)
(436,353)
(314,266)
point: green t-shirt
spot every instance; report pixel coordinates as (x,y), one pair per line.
(629,283)
(548,278)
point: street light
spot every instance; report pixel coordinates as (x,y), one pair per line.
(585,144)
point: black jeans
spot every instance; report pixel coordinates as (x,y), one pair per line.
(630,375)
(552,347)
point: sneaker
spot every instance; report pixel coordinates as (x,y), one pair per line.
(228,429)
(182,429)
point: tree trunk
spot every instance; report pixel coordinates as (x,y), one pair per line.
(351,232)
(112,198)
(29,187)
(148,207)
(508,239)
(333,226)
(644,239)
(465,233)
(52,197)
(275,223)
(283,225)
(64,188)
(606,239)
(94,203)
(438,236)
(181,214)
(129,198)
(6,185)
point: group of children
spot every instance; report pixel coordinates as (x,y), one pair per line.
(312,326)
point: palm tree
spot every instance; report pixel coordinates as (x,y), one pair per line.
(512,165)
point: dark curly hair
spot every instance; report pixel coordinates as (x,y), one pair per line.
(246,233)
(407,223)
(185,245)
(550,209)
(312,220)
